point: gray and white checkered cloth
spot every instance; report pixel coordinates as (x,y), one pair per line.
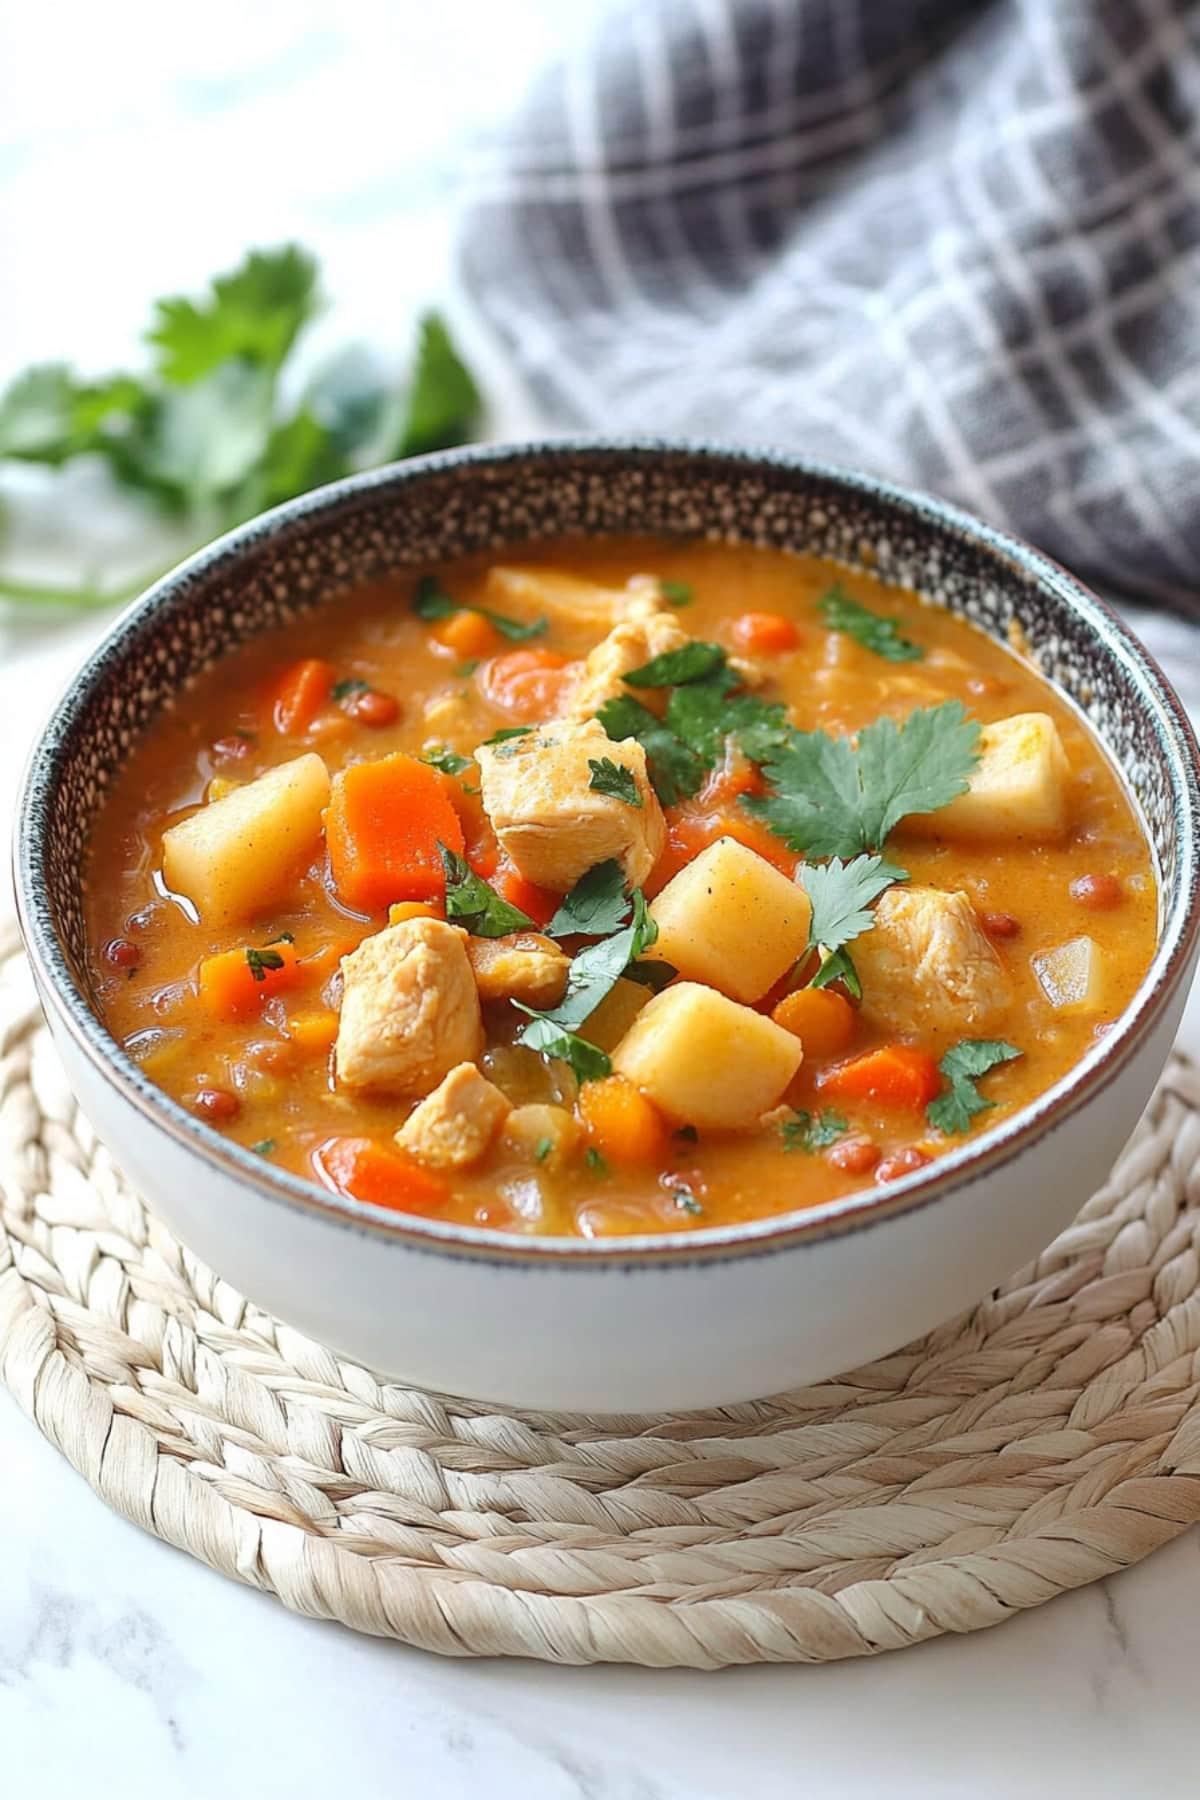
(953,241)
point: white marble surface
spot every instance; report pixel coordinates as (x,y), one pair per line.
(142,147)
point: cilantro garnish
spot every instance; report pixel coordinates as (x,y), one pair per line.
(613,778)
(812,1131)
(676,593)
(285,937)
(654,975)
(542,1149)
(448,761)
(674,668)
(264,1147)
(683,1196)
(595,906)
(593,974)
(432,602)
(476,906)
(342,690)
(675,771)
(841,893)
(505,733)
(962,1066)
(872,630)
(595,1161)
(836,798)
(260,961)
(216,428)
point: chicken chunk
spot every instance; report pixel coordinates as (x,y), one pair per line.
(626,647)
(410,1011)
(524,966)
(551,822)
(453,1127)
(555,594)
(927,966)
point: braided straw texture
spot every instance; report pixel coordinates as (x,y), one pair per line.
(1046,1438)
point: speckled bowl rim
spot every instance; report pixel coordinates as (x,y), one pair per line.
(971,1163)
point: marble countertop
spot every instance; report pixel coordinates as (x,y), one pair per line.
(126,1669)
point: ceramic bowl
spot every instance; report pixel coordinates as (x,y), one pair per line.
(722,1313)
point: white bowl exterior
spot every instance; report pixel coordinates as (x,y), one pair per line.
(661,1335)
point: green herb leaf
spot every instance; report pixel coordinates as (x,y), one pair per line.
(342,690)
(962,1066)
(676,593)
(812,1131)
(595,1161)
(253,315)
(705,714)
(46,416)
(654,975)
(261,960)
(683,1196)
(285,937)
(432,602)
(506,733)
(589,1062)
(595,906)
(264,1147)
(833,798)
(838,966)
(542,1149)
(676,772)
(592,975)
(476,906)
(444,403)
(841,894)
(675,668)
(513,629)
(448,761)
(872,630)
(467,669)
(613,778)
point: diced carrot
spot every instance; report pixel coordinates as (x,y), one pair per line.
(896,1075)
(375,1172)
(484,855)
(822,1020)
(313,1032)
(383,825)
(525,684)
(414,909)
(302,693)
(692,829)
(234,983)
(765,633)
(537,903)
(466,634)
(625,1127)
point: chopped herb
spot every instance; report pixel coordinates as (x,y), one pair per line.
(467,669)
(592,975)
(589,1062)
(542,1149)
(262,960)
(448,761)
(443,404)
(812,1131)
(613,778)
(836,798)
(595,906)
(683,1197)
(342,690)
(838,966)
(962,1066)
(595,1161)
(701,714)
(841,894)
(285,937)
(676,593)
(475,905)
(654,975)
(505,733)
(264,1147)
(675,771)
(872,630)
(432,603)
(674,668)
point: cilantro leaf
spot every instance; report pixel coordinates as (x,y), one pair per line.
(705,713)
(432,602)
(593,974)
(505,734)
(264,1147)
(253,315)
(835,798)
(444,404)
(654,975)
(840,894)
(46,416)
(589,1062)
(676,593)
(448,761)
(674,668)
(259,961)
(613,778)
(594,1160)
(345,690)
(839,966)
(595,906)
(675,770)
(811,1132)
(962,1066)
(872,630)
(476,906)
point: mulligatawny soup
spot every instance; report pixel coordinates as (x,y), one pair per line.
(618,888)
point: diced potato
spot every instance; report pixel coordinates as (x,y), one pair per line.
(615,1014)
(731,919)
(1072,976)
(532,592)
(1018,789)
(706,1061)
(542,1134)
(453,1127)
(241,854)
(553,824)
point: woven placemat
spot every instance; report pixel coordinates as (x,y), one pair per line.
(1046,1438)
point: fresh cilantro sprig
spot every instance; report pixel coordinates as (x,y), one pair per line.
(432,602)
(474,904)
(675,771)
(260,961)
(675,668)
(596,906)
(440,756)
(811,1132)
(841,894)
(608,777)
(872,630)
(835,797)
(206,436)
(963,1066)
(593,975)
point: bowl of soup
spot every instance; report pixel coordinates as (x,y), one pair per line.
(614,926)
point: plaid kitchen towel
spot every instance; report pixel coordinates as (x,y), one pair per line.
(953,241)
